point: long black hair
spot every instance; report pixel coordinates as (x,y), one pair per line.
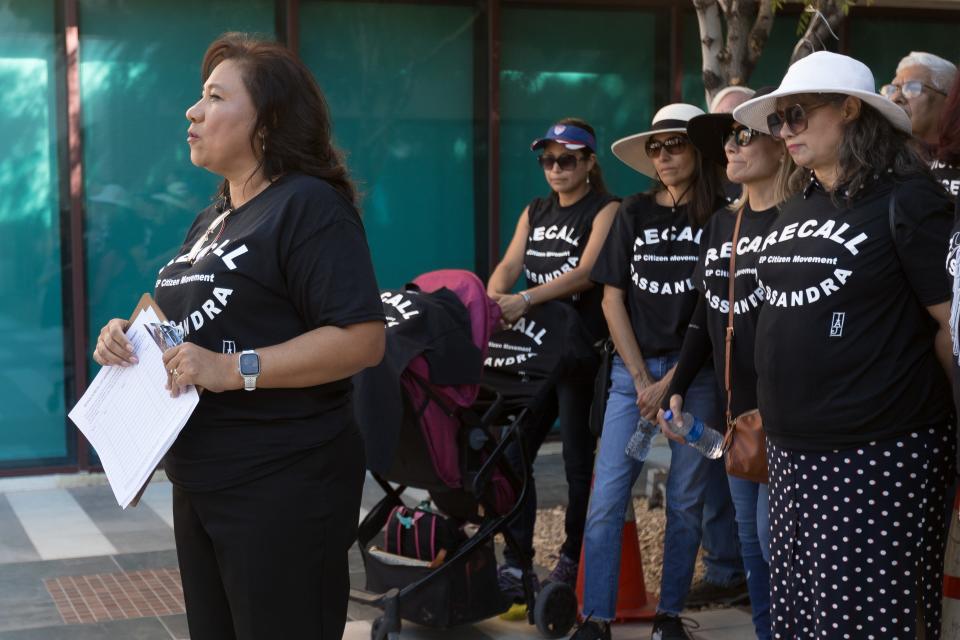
(706,187)
(293,130)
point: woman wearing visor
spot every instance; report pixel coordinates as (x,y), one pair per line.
(852,347)
(555,245)
(759,163)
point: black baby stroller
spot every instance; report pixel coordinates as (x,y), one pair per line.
(429,423)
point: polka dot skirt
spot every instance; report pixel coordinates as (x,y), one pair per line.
(857,538)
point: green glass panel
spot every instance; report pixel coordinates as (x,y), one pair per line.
(32,412)
(770,68)
(139,71)
(604,74)
(399,81)
(881,43)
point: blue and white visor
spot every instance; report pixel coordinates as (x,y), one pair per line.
(568,135)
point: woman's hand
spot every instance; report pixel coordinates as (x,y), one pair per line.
(651,397)
(513,307)
(187,364)
(676,406)
(640,382)
(113,348)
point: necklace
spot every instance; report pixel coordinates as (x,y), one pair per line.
(198,246)
(676,200)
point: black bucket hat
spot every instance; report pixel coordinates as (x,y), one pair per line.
(709,131)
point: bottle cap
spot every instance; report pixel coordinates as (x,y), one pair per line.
(668,415)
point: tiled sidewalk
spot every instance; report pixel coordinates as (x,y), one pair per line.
(74,566)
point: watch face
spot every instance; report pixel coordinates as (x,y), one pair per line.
(249,364)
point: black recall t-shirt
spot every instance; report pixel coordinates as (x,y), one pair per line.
(844,348)
(710,277)
(948,175)
(555,244)
(292,259)
(953,273)
(650,253)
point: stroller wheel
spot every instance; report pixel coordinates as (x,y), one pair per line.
(379,630)
(555,611)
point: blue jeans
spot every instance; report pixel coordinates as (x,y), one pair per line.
(753,526)
(690,477)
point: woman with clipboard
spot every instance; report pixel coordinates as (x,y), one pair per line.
(275,294)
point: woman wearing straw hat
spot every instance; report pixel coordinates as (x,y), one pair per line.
(646,267)
(852,344)
(555,244)
(754,160)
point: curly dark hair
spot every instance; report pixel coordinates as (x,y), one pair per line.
(870,146)
(292,113)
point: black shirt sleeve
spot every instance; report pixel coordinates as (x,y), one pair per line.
(613,264)
(923,223)
(693,354)
(330,276)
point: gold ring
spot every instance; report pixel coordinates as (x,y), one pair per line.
(176,374)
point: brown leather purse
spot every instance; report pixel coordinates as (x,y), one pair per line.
(744,444)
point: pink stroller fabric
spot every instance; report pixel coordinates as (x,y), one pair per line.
(484,312)
(440,423)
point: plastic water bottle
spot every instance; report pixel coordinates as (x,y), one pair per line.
(707,441)
(638,447)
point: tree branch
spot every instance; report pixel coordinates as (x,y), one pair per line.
(760,33)
(819,32)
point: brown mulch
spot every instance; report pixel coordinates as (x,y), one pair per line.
(548,536)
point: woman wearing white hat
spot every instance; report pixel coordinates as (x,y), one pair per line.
(754,161)
(646,267)
(852,345)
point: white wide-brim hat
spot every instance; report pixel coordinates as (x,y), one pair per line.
(632,150)
(823,72)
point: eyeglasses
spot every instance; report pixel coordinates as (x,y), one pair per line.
(910,89)
(674,146)
(200,248)
(742,136)
(794,115)
(566,162)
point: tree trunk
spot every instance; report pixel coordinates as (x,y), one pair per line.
(711,46)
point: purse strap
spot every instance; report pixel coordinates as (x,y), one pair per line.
(728,340)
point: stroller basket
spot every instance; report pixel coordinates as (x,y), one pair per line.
(466,593)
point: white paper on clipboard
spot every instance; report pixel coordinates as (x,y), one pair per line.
(128,416)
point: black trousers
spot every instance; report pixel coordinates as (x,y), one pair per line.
(268,559)
(572,403)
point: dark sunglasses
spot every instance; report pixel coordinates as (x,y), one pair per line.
(794,115)
(910,89)
(674,146)
(566,162)
(742,136)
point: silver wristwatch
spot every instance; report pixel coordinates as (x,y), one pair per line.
(249,367)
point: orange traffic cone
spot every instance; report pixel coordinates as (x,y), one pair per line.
(634,602)
(951,575)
